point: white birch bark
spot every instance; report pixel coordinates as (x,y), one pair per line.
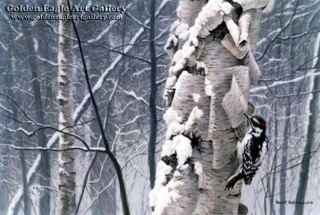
(66,199)
(218,168)
(205,109)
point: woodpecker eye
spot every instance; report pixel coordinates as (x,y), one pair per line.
(263,125)
(255,124)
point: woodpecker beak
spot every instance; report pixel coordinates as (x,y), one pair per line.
(247,116)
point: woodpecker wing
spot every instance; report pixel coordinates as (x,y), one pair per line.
(263,151)
(247,164)
(241,145)
(248,168)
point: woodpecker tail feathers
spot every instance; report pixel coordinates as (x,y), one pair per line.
(248,180)
(232,181)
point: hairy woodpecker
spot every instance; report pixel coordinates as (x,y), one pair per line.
(251,151)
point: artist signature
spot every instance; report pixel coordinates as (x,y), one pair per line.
(293,202)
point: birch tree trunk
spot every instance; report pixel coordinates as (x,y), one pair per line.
(66,199)
(207,93)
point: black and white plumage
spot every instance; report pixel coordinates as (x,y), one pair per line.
(251,151)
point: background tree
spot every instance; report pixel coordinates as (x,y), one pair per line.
(67,190)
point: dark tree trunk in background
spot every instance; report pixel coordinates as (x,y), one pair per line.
(283,173)
(26,208)
(44,178)
(274,175)
(25,199)
(284,155)
(44,169)
(26,205)
(271,175)
(311,136)
(42,140)
(153,96)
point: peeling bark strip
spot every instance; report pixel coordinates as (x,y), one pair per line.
(234,103)
(236,100)
(204,119)
(66,199)
(185,43)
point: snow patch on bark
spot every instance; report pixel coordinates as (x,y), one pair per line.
(196,97)
(63,172)
(60,97)
(177,174)
(60,80)
(178,62)
(194,117)
(60,57)
(182,145)
(62,120)
(173,129)
(174,26)
(174,125)
(167,148)
(226,7)
(198,169)
(171,116)
(181,28)
(162,195)
(184,167)
(208,19)
(184,35)
(162,170)
(171,81)
(208,87)
(177,144)
(202,65)
(166,196)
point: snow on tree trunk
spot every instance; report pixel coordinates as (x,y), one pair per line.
(207,93)
(66,199)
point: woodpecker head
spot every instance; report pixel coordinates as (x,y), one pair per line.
(257,123)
